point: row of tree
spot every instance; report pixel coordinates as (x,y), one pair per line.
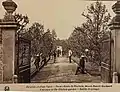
(91,34)
(42,41)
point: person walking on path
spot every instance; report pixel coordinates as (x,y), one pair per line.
(69,54)
(54,54)
(81,65)
(37,60)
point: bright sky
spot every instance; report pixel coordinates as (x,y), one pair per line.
(61,15)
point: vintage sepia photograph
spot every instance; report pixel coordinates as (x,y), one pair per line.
(59,41)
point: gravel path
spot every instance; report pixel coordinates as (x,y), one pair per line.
(62,72)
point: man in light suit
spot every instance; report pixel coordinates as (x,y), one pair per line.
(69,54)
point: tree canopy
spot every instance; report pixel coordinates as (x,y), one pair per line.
(92,32)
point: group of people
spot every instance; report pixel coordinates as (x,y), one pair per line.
(38,59)
(80,67)
(81,64)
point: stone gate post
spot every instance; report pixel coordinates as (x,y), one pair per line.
(115,30)
(8,27)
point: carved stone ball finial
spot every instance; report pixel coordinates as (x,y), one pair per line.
(115,22)
(116,7)
(9,6)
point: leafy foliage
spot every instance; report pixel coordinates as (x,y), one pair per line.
(92,33)
(22,20)
(41,41)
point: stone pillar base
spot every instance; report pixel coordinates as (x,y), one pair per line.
(115,77)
